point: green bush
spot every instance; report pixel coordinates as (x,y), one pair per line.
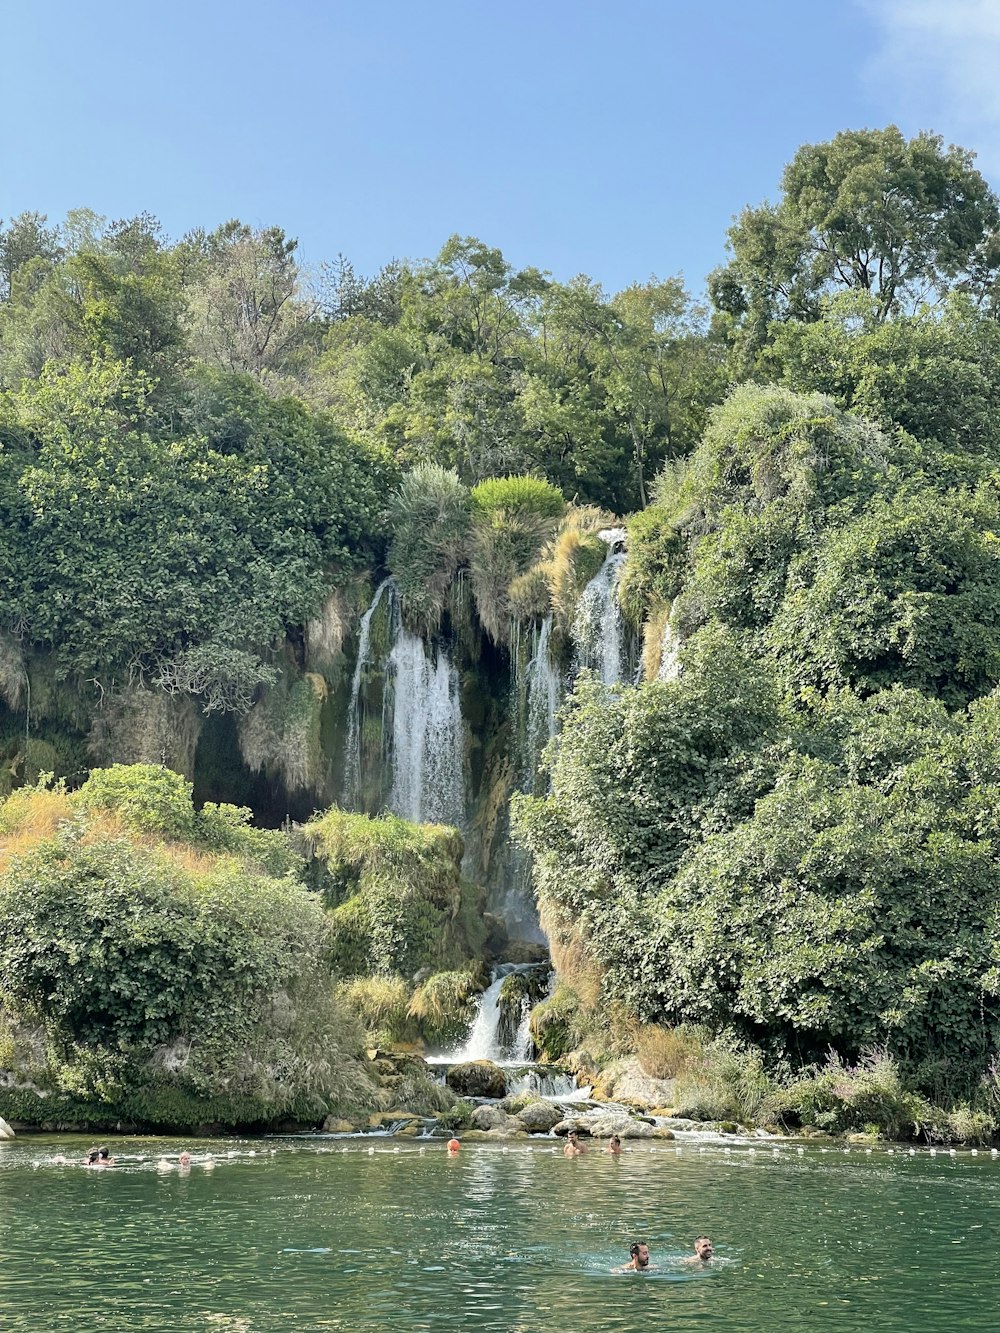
(527,495)
(146,797)
(147,976)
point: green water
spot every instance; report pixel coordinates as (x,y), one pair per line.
(297,1234)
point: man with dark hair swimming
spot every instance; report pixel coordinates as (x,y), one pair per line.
(639,1251)
(704,1251)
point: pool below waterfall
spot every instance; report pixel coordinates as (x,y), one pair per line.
(364,1234)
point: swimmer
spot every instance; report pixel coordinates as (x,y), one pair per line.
(614,1146)
(573,1148)
(704,1252)
(104,1158)
(639,1251)
(453,1146)
(92,1157)
(184,1159)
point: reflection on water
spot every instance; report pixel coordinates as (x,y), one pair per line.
(303,1235)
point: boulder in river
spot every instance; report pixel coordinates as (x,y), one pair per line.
(477,1078)
(5,1130)
(539,1117)
(490,1117)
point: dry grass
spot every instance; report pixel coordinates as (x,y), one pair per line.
(28,817)
(667,1052)
(32,815)
(570,958)
(652,641)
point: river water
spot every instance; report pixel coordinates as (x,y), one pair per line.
(325,1234)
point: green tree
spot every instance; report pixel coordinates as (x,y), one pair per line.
(902,220)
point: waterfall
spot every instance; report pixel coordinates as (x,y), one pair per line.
(598,629)
(670,648)
(422,735)
(352,764)
(500,1032)
(538,692)
(428,741)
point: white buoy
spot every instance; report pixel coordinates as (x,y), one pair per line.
(913,1152)
(993,1152)
(371,1152)
(934,1152)
(975,1152)
(952,1152)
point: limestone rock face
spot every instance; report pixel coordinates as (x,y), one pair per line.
(477,1078)
(335,1125)
(624,1081)
(539,1117)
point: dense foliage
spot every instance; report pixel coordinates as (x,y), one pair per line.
(155,960)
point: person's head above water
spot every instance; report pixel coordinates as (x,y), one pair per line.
(92,1156)
(453,1144)
(639,1251)
(103,1154)
(703,1248)
(185,1159)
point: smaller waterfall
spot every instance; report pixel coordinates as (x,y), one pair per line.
(538,692)
(364,664)
(422,747)
(501,1031)
(670,649)
(598,629)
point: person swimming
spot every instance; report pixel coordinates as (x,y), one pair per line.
(104,1158)
(573,1148)
(704,1252)
(639,1262)
(453,1146)
(614,1146)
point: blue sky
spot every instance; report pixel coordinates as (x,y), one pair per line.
(614,138)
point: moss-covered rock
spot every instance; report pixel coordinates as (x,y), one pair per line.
(477,1078)
(395,891)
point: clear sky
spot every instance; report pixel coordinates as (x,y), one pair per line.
(611,137)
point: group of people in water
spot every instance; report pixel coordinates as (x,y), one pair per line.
(704,1253)
(102,1157)
(704,1250)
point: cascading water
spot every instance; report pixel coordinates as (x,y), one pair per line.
(670,649)
(422,734)
(500,1032)
(363,667)
(598,629)
(428,741)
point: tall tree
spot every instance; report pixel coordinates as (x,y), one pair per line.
(902,220)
